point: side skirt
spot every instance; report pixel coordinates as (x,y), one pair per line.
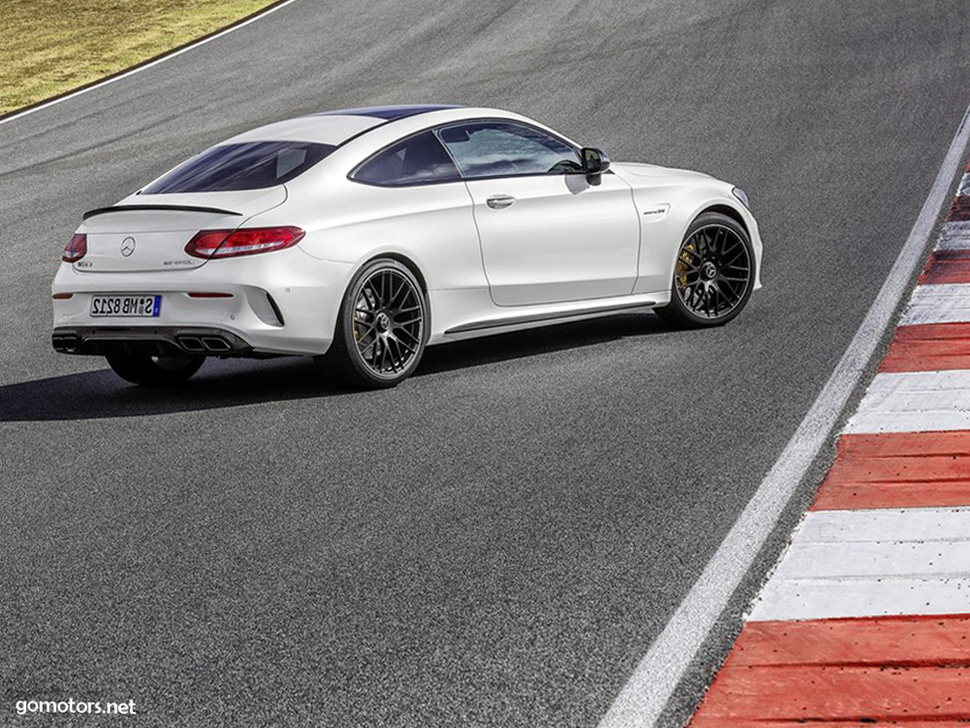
(484,325)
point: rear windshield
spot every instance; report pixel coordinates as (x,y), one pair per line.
(248,166)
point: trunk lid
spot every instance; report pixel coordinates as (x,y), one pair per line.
(152,235)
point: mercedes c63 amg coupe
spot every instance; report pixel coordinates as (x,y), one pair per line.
(361,236)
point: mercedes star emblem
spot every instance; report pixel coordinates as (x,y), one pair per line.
(127,246)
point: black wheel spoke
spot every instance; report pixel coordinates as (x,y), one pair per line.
(401,342)
(733,289)
(719,300)
(392,359)
(402,330)
(365,348)
(696,295)
(403,353)
(743,255)
(689,250)
(385,353)
(403,288)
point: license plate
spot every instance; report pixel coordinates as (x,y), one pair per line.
(139,306)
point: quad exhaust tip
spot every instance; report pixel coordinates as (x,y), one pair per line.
(66,343)
(216,343)
(191,344)
(204,344)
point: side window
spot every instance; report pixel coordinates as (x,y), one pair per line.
(416,160)
(499,148)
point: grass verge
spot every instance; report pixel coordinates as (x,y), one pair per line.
(52,46)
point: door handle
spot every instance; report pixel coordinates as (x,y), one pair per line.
(500,202)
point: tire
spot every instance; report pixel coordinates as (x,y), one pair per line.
(713,274)
(381,328)
(139,367)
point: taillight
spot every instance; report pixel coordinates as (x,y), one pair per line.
(76,248)
(229,243)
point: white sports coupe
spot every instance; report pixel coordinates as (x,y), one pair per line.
(362,236)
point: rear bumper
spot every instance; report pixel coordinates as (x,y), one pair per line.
(279,303)
(159,340)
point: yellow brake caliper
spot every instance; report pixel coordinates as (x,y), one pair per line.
(683,266)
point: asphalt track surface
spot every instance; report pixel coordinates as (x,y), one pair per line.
(497,541)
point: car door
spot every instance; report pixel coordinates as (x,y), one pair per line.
(547,235)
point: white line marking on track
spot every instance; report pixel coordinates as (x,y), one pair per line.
(945,303)
(642,700)
(914,402)
(955,236)
(146,66)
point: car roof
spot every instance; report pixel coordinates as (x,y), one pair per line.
(389,113)
(334,127)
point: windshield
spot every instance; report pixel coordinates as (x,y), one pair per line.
(249,166)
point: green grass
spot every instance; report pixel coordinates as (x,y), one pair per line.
(52,46)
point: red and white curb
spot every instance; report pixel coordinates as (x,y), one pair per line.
(866,619)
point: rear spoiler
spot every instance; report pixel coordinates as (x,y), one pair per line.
(183,208)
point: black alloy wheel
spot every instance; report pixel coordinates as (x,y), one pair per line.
(713,273)
(381,329)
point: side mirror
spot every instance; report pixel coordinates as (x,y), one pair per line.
(595,162)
